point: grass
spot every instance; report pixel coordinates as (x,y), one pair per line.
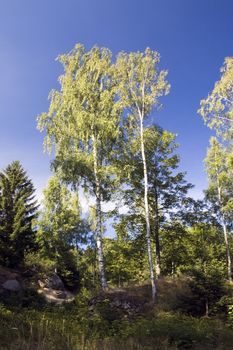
(30,324)
(70,328)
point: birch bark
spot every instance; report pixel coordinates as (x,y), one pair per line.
(147,216)
(99,243)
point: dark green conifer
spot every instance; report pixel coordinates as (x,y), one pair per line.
(17,210)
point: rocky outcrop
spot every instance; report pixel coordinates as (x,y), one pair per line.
(119,303)
(51,286)
(53,290)
(52,282)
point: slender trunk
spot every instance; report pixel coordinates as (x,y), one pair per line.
(56,259)
(227,250)
(119,279)
(94,269)
(173,269)
(147,215)
(98,220)
(228,253)
(206,307)
(157,244)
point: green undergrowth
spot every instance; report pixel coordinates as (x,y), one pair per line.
(28,323)
(72,327)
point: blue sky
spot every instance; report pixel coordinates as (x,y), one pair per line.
(192,36)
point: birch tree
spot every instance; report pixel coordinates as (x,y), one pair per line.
(220,191)
(82,123)
(140,85)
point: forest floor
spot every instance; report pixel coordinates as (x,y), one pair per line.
(121,319)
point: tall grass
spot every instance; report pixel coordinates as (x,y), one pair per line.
(63,328)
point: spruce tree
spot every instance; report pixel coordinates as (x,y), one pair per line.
(17,210)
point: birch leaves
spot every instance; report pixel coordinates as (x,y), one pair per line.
(217,108)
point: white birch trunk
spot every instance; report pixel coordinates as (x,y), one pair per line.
(147,217)
(157,244)
(228,253)
(99,221)
(227,249)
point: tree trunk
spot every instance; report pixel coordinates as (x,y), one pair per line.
(157,244)
(227,250)
(147,215)
(228,253)
(98,220)
(206,307)
(56,259)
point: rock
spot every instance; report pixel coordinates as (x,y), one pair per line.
(91,308)
(60,294)
(12,285)
(41,284)
(53,282)
(117,303)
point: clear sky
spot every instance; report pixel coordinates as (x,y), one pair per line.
(192,36)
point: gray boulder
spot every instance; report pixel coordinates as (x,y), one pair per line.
(54,282)
(12,285)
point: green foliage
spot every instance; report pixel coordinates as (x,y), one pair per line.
(207,288)
(83,115)
(125,260)
(216,109)
(167,187)
(60,225)
(140,83)
(61,231)
(17,212)
(184,248)
(175,242)
(220,188)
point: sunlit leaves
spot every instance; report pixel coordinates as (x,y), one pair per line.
(217,108)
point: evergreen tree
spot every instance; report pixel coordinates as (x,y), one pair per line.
(17,211)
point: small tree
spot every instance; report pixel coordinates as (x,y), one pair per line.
(17,212)
(60,226)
